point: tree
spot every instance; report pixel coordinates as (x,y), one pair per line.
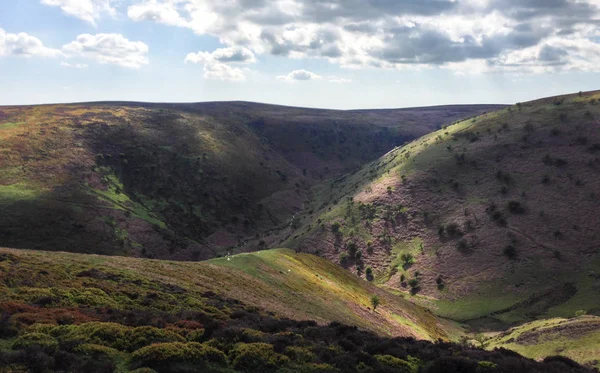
(482,340)
(375,302)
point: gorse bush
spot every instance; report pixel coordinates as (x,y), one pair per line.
(391,364)
(256,357)
(172,357)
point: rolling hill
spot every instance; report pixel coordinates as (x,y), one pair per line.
(76,312)
(179,181)
(491,221)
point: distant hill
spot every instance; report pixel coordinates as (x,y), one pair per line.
(179,181)
(491,221)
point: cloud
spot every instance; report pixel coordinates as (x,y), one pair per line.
(112,49)
(217,63)
(74,66)
(223,55)
(299,75)
(487,34)
(221,71)
(87,10)
(24,45)
(161,12)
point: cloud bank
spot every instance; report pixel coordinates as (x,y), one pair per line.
(463,35)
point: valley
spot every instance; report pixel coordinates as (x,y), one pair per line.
(449,229)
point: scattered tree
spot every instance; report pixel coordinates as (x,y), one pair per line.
(375,302)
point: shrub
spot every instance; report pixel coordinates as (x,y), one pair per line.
(300,354)
(391,364)
(369,273)
(358,255)
(452,364)
(440,283)
(352,248)
(309,368)
(375,302)
(408,259)
(343,258)
(147,335)
(43,341)
(486,366)
(335,227)
(414,286)
(169,357)
(256,357)
(510,252)
(97,351)
(453,230)
(102,333)
(515,207)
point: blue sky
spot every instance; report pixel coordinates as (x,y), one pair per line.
(337,54)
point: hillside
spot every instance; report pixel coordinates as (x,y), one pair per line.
(577,338)
(491,221)
(178,181)
(297,286)
(75,312)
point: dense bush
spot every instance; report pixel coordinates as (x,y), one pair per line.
(391,364)
(176,356)
(256,358)
(147,335)
(42,341)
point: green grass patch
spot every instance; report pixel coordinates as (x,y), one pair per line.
(8,125)
(17,192)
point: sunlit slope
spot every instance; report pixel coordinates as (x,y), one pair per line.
(178,181)
(298,286)
(492,220)
(577,338)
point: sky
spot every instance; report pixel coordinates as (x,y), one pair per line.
(341,54)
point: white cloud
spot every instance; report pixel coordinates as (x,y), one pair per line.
(74,66)
(217,63)
(24,45)
(161,12)
(222,71)
(489,35)
(299,75)
(113,49)
(87,10)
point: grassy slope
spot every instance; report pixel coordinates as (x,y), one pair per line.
(578,339)
(298,286)
(176,181)
(87,313)
(542,154)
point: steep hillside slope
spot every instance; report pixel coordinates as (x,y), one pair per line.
(493,220)
(87,313)
(181,181)
(298,286)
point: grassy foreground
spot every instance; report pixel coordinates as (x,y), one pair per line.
(86,313)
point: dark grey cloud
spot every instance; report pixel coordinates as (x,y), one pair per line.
(553,55)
